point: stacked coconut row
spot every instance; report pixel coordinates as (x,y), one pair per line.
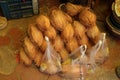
(66,30)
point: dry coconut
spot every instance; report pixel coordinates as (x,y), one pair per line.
(43,46)
(50,33)
(73,9)
(24,58)
(87,18)
(58,19)
(93,33)
(38,58)
(43,22)
(64,54)
(79,29)
(72,45)
(30,48)
(68,32)
(68,18)
(35,34)
(58,44)
(84,40)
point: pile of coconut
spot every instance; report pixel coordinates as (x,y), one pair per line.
(66,30)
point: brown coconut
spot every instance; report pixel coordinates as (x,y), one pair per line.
(58,44)
(30,48)
(73,9)
(35,34)
(68,18)
(38,58)
(79,29)
(84,41)
(43,22)
(43,46)
(64,54)
(93,33)
(57,19)
(50,33)
(87,18)
(68,32)
(24,58)
(72,45)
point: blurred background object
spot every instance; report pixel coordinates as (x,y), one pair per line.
(3,22)
(113,20)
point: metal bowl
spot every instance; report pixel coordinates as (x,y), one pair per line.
(114,21)
(116,18)
(112,28)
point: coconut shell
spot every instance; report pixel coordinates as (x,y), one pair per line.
(73,9)
(64,54)
(43,46)
(93,33)
(43,22)
(87,18)
(24,58)
(68,32)
(58,44)
(57,19)
(38,59)
(35,34)
(68,18)
(50,33)
(72,45)
(84,40)
(79,29)
(30,48)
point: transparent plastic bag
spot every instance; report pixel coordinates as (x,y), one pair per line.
(82,60)
(70,71)
(92,53)
(78,67)
(51,62)
(78,54)
(104,48)
(99,52)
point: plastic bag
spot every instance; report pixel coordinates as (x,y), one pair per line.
(104,48)
(70,71)
(78,67)
(99,52)
(93,51)
(82,60)
(51,62)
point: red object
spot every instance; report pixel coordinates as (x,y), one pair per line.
(17,57)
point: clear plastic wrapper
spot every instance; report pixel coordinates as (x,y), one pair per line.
(78,67)
(51,62)
(99,52)
(92,53)
(104,48)
(70,71)
(82,60)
